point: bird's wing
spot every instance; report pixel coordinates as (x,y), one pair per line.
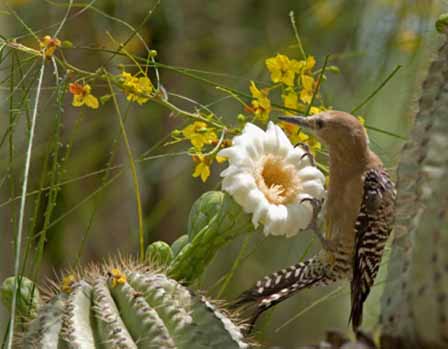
(372,228)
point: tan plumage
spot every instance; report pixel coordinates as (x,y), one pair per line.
(358,218)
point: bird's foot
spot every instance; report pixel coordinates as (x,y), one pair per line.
(317,206)
(307,152)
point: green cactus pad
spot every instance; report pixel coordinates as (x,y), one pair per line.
(129,306)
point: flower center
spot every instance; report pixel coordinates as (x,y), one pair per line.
(277,181)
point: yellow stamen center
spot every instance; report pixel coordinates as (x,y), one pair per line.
(277,181)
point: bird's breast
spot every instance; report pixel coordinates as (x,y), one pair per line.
(344,202)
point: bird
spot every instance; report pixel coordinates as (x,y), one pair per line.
(358,215)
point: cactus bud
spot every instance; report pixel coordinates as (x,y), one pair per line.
(159,253)
(27,297)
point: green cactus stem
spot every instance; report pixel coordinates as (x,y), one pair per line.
(215,219)
(124,305)
(415,300)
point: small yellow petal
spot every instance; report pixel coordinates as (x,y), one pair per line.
(205,173)
(315,110)
(197,141)
(220,159)
(202,170)
(91,101)
(78,101)
(310,63)
(290,100)
(307,82)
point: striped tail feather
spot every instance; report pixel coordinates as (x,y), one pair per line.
(281,285)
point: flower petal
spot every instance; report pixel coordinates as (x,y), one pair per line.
(314,188)
(310,173)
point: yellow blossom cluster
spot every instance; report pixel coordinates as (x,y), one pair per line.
(67,283)
(200,135)
(136,89)
(261,104)
(117,277)
(203,163)
(293,74)
(49,45)
(297,82)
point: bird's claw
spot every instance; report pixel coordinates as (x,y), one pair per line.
(307,152)
(328,245)
(317,206)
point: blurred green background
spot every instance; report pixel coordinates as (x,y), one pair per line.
(367,39)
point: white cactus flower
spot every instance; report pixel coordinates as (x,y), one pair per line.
(269,178)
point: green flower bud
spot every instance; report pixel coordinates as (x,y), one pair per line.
(27,298)
(241,118)
(67,44)
(159,253)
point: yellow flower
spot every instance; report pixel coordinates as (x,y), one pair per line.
(49,44)
(82,95)
(309,64)
(315,110)
(361,120)
(136,89)
(283,69)
(199,134)
(290,100)
(307,90)
(118,278)
(261,103)
(220,159)
(202,168)
(67,283)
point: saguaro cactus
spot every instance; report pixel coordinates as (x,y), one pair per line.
(414,304)
(129,307)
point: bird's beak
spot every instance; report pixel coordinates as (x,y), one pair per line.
(297,120)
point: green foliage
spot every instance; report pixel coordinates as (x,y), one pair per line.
(129,307)
(215,219)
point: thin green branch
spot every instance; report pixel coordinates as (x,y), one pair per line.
(22,204)
(378,89)
(133,171)
(235,266)
(316,90)
(296,34)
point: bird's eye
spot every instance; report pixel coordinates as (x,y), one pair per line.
(319,124)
